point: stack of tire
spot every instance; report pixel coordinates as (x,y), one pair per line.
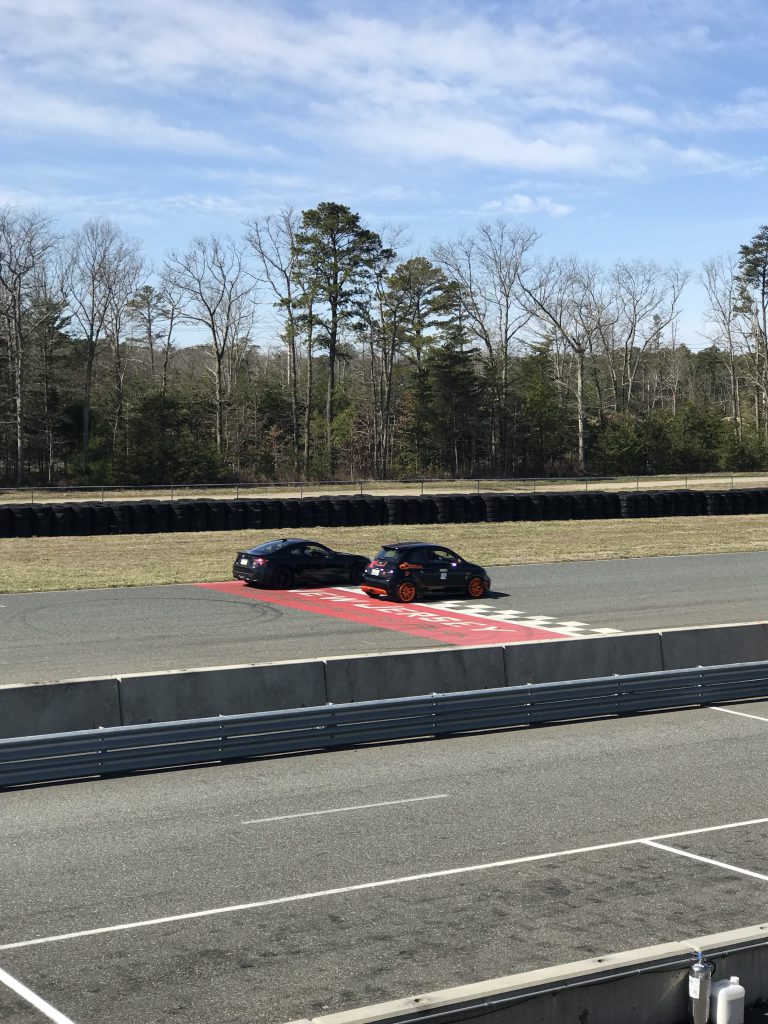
(295,515)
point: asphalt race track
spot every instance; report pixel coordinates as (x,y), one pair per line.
(266,891)
(74,634)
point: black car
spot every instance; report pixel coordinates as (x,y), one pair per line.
(408,570)
(281,563)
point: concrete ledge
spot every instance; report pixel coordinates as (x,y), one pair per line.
(60,707)
(639,986)
(713,645)
(590,657)
(413,673)
(231,690)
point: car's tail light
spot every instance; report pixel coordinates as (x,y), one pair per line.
(260,561)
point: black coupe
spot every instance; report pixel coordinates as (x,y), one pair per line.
(281,563)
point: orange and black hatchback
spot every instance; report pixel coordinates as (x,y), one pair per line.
(409,570)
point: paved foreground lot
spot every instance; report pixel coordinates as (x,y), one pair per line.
(271,890)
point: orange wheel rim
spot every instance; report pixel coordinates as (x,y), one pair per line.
(407,591)
(476,588)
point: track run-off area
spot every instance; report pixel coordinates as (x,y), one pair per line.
(271,890)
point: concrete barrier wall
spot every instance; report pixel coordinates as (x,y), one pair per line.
(58,707)
(707,645)
(240,689)
(205,692)
(655,990)
(378,676)
(590,657)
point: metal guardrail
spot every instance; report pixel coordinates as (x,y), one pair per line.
(124,749)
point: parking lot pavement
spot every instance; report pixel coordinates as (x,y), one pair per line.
(272,890)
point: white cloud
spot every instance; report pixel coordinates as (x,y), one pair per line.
(37,111)
(517,203)
(550,87)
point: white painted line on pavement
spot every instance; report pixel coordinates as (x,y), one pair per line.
(363,886)
(340,810)
(710,828)
(743,714)
(34,1000)
(706,860)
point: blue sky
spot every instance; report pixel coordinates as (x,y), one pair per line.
(616,129)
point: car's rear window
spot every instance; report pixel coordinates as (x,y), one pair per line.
(388,555)
(269,548)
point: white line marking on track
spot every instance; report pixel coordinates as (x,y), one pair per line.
(709,828)
(362,886)
(706,860)
(34,1000)
(340,810)
(742,714)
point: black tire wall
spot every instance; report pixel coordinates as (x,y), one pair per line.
(294,515)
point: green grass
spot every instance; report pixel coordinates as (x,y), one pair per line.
(135,560)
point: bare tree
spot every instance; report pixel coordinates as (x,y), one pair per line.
(724,321)
(487,267)
(273,240)
(101,259)
(129,269)
(26,242)
(569,302)
(645,298)
(216,295)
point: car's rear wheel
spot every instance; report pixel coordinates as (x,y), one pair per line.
(356,575)
(282,578)
(405,592)
(476,587)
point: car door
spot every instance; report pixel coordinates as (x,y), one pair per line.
(322,563)
(443,568)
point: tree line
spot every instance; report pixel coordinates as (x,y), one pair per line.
(482,359)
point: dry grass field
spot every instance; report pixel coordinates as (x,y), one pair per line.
(133,560)
(714,482)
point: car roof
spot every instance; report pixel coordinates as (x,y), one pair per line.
(402,545)
(288,540)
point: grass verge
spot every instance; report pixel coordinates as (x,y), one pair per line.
(137,560)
